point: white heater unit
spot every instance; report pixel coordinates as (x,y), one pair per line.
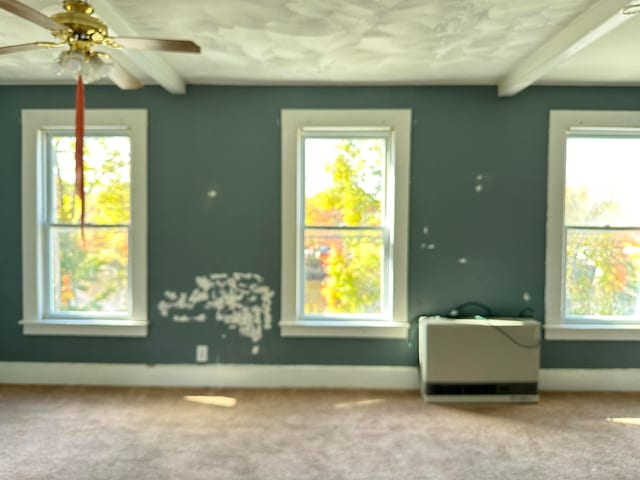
(479,360)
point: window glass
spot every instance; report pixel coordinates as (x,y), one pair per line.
(344,181)
(602,223)
(89,272)
(345,234)
(107,179)
(343,271)
(602,273)
(602,175)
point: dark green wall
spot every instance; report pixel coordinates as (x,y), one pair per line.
(228,139)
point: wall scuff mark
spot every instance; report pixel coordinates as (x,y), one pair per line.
(482,180)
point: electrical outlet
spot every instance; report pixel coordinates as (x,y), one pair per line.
(202,353)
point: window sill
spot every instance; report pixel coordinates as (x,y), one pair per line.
(86,328)
(592,332)
(342,329)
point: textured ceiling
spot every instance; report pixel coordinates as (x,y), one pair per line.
(356,41)
(331,41)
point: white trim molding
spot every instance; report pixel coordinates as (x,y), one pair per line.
(87,328)
(285,376)
(396,123)
(350,329)
(557,326)
(590,379)
(592,332)
(34,316)
(211,375)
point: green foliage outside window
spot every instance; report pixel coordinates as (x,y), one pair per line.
(602,265)
(344,268)
(90,273)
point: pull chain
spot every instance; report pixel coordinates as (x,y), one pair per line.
(80,148)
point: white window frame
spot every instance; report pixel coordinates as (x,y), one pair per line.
(398,123)
(35,124)
(556,328)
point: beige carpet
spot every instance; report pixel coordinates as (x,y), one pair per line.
(124,433)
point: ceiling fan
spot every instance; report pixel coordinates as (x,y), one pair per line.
(85,37)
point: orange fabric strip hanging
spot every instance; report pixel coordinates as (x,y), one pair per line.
(79,148)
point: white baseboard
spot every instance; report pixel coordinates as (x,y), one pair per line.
(283,376)
(210,375)
(590,379)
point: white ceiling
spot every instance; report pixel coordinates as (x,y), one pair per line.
(510,43)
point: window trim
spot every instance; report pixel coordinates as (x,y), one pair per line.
(34,121)
(292,122)
(561,122)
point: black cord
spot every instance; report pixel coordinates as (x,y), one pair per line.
(512,339)
(456,311)
(460,309)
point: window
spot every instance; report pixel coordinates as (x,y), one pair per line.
(89,281)
(593,230)
(344,222)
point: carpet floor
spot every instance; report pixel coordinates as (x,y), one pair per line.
(78,433)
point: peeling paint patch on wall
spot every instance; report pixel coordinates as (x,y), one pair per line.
(239,300)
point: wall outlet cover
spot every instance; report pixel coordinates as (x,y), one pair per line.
(202,353)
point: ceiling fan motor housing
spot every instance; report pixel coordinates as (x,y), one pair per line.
(85,29)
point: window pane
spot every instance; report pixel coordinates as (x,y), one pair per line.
(107,161)
(343,271)
(90,275)
(602,181)
(602,273)
(344,181)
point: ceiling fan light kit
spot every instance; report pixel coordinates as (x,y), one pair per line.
(82,33)
(91,66)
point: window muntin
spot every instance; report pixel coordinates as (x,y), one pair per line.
(602,226)
(344,261)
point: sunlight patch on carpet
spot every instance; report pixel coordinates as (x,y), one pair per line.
(360,403)
(625,420)
(216,401)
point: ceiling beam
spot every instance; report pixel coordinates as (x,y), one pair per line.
(593,23)
(150,62)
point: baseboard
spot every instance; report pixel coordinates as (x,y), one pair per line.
(284,376)
(590,379)
(218,375)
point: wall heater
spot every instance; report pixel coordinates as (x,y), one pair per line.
(479,360)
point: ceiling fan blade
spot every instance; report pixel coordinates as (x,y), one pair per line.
(28,13)
(20,48)
(123,78)
(186,46)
